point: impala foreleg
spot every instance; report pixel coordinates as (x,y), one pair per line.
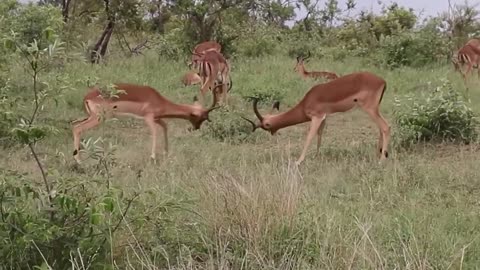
(162,123)
(208,83)
(222,79)
(314,127)
(320,131)
(79,127)
(465,74)
(150,121)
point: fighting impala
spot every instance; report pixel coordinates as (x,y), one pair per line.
(214,70)
(362,89)
(300,69)
(138,101)
(201,48)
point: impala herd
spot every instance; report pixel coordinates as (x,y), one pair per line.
(339,94)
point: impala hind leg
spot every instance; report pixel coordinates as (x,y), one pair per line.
(314,126)
(162,123)
(384,131)
(78,128)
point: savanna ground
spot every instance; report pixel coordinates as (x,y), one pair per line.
(244,204)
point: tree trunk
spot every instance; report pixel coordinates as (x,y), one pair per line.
(65,9)
(98,52)
(100,47)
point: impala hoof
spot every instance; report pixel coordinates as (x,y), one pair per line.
(76,156)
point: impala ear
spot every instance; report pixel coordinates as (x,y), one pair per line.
(195,101)
(276,105)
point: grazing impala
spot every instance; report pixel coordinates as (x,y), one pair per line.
(203,47)
(300,68)
(362,89)
(139,101)
(214,69)
(475,42)
(467,55)
(191,78)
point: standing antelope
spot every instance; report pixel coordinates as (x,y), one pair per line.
(467,55)
(362,89)
(203,47)
(138,101)
(300,68)
(214,68)
(475,42)
(191,78)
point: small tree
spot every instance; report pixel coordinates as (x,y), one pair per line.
(441,115)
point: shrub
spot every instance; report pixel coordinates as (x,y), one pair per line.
(34,232)
(32,22)
(441,115)
(264,95)
(227,126)
(171,46)
(258,41)
(412,49)
(7,118)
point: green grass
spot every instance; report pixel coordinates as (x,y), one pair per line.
(221,205)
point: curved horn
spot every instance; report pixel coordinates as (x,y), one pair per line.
(193,52)
(231,83)
(308,56)
(276,105)
(298,58)
(254,126)
(255,110)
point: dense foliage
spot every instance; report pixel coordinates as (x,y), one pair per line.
(441,114)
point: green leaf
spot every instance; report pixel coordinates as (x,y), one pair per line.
(9,44)
(109,204)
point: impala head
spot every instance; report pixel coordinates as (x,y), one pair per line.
(195,59)
(300,60)
(265,121)
(199,114)
(191,78)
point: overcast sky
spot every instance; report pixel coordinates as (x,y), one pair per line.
(429,7)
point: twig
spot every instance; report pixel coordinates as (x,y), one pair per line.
(35,75)
(44,176)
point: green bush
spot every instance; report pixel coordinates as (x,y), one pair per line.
(440,115)
(34,232)
(414,49)
(265,95)
(7,118)
(31,22)
(258,41)
(171,46)
(227,126)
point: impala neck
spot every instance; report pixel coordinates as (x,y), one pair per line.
(302,71)
(174,110)
(294,116)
